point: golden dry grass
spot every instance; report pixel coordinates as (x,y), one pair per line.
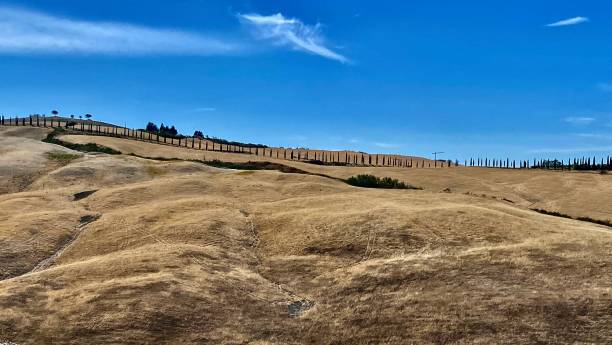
(188,254)
(579,194)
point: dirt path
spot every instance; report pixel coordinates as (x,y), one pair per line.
(46,263)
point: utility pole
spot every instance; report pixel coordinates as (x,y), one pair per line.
(436,155)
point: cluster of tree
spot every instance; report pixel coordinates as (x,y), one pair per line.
(235,143)
(584,163)
(163,130)
(371,181)
(172,132)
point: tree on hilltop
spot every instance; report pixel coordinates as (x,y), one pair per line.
(151,127)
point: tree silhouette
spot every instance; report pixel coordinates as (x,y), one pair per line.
(151,127)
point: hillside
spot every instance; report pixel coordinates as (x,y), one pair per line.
(178,252)
(579,194)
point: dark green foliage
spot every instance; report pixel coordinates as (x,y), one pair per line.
(198,134)
(319,162)
(166,131)
(551,213)
(89,147)
(235,143)
(596,221)
(584,219)
(371,181)
(151,127)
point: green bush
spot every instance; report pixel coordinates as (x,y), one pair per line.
(584,219)
(89,147)
(62,157)
(371,181)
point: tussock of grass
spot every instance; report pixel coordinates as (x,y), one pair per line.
(154,171)
(371,181)
(62,157)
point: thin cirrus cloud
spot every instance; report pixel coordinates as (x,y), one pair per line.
(594,136)
(579,120)
(30,32)
(594,149)
(204,109)
(290,32)
(569,21)
(386,145)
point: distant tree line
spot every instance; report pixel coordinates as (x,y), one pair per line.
(172,132)
(163,130)
(583,163)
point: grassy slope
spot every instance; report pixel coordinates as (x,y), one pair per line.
(185,253)
(578,194)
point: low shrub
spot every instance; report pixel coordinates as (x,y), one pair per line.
(584,219)
(596,221)
(371,181)
(89,147)
(62,157)
(320,162)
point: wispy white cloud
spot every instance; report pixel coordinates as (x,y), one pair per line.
(587,135)
(569,21)
(574,150)
(204,109)
(594,135)
(579,120)
(28,32)
(386,145)
(290,32)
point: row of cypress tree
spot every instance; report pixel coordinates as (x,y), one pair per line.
(163,133)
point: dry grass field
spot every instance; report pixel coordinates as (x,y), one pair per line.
(177,252)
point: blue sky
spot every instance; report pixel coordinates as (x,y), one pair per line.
(521,79)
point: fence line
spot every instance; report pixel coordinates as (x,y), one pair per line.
(310,156)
